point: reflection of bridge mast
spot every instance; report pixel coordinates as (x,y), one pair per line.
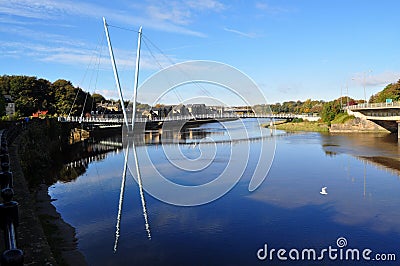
(122,192)
(139,177)
(121,199)
(365,177)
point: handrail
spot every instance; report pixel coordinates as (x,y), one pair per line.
(373,105)
(119,120)
(9,218)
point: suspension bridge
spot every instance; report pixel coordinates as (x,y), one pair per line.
(131,116)
(189,119)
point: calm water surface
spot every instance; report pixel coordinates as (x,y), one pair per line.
(361,173)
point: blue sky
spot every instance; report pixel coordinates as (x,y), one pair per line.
(293,49)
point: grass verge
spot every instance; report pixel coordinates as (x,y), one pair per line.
(303,126)
(342,118)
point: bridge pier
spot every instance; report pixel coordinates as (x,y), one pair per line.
(398,130)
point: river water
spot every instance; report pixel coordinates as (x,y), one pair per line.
(356,223)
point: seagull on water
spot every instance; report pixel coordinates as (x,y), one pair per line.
(323,191)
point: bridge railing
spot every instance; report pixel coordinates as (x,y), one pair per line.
(120,120)
(9,218)
(94,119)
(373,105)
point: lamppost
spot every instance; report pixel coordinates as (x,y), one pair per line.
(365,95)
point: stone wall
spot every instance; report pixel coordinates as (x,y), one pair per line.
(357,124)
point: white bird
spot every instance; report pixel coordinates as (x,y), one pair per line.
(323,191)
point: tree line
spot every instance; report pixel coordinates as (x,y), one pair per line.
(31,94)
(391,91)
(326,110)
(60,97)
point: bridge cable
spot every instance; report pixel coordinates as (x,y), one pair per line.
(122,28)
(145,38)
(84,104)
(98,67)
(197,84)
(76,96)
(92,58)
(161,67)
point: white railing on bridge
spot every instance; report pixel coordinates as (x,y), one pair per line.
(118,120)
(374,105)
(94,119)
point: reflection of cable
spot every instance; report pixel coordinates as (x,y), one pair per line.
(121,199)
(146,221)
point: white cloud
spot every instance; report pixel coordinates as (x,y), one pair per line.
(206,5)
(171,17)
(173,13)
(42,36)
(81,56)
(374,80)
(243,34)
(265,7)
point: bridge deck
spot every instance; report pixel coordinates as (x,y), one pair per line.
(102,120)
(374,106)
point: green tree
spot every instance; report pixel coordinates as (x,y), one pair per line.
(5,84)
(306,106)
(391,91)
(68,99)
(98,98)
(23,90)
(330,110)
(2,106)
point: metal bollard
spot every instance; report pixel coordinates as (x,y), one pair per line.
(12,257)
(9,219)
(9,209)
(6,180)
(3,149)
(5,158)
(3,143)
(7,194)
(5,167)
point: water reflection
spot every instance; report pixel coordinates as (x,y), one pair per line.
(77,157)
(359,192)
(142,199)
(121,199)
(380,150)
(287,210)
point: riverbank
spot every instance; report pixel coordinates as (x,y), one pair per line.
(30,235)
(303,126)
(356,125)
(344,124)
(43,235)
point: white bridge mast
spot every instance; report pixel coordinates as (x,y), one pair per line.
(115,73)
(136,79)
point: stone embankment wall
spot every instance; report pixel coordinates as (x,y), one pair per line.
(357,124)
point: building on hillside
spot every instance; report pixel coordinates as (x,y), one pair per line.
(217,110)
(160,112)
(10,105)
(40,113)
(115,107)
(197,109)
(180,110)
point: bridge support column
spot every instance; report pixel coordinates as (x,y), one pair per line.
(398,130)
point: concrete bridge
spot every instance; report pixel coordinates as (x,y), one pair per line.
(387,115)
